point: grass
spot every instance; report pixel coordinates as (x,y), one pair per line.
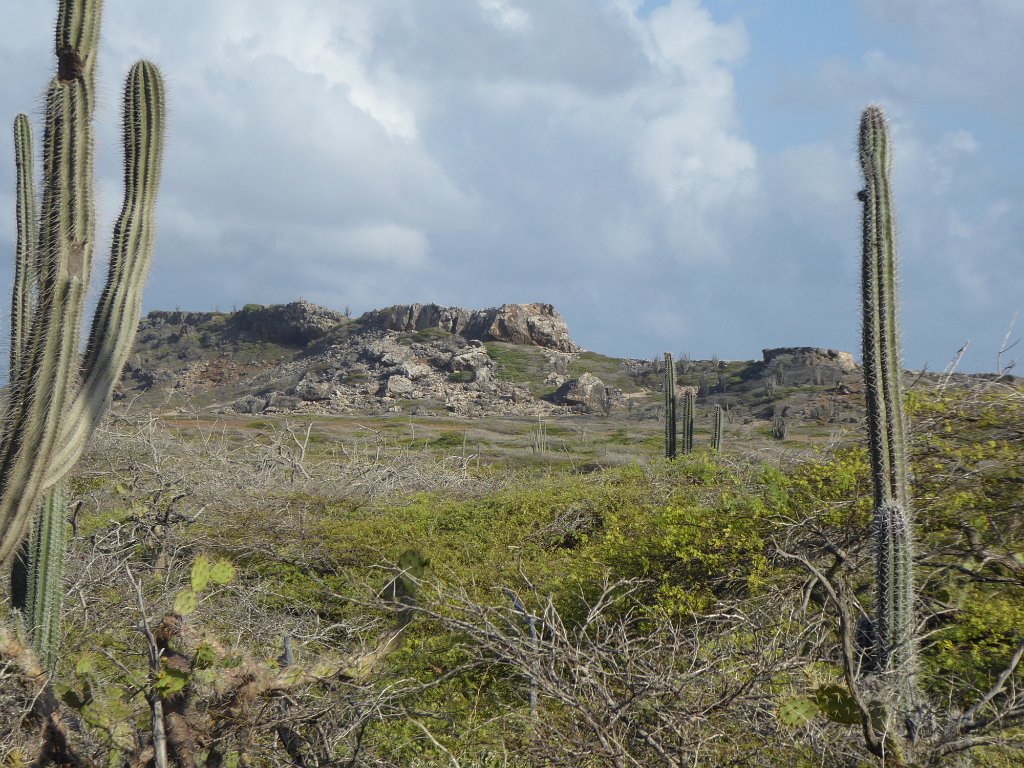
(521,365)
(609,369)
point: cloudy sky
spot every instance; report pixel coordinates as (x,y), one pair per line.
(671,174)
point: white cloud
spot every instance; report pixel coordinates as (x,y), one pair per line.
(971,51)
(383,245)
(505,15)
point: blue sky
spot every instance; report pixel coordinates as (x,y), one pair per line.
(674,175)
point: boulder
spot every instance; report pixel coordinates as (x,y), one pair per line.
(313,391)
(386,352)
(249,404)
(587,391)
(398,386)
(414,371)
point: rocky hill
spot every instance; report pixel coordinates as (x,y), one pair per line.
(517,359)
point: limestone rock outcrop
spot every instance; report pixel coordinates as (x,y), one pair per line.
(295,324)
(809,357)
(535,324)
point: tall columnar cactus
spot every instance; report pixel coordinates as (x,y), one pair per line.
(689,410)
(56,396)
(670,407)
(717,421)
(894,623)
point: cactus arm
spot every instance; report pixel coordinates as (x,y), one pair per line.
(670,407)
(25,254)
(716,428)
(117,313)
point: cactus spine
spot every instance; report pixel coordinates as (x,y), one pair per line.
(56,397)
(716,428)
(670,407)
(689,408)
(894,623)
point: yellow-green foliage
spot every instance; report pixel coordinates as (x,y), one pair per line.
(704,541)
(700,531)
(969,476)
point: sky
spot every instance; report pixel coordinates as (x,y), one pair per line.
(672,175)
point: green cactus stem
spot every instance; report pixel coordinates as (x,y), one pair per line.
(887,443)
(56,396)
(689,411)
(25,266)
(670,407)
(45,569)
(117,314)
(717,421)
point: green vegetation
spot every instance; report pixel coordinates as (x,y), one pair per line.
(690,550)
(520,364)
(609,369)
(429,334)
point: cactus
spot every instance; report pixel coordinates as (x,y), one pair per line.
(886,424)
(539,438)
(56,397)
(716,428)
(689,409)
(780,428)
(402,590)
(670,407)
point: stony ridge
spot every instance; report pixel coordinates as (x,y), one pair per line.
(516,359)
(536,324)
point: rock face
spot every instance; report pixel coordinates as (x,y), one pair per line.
(294,324)
(536,324)
(809,357)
